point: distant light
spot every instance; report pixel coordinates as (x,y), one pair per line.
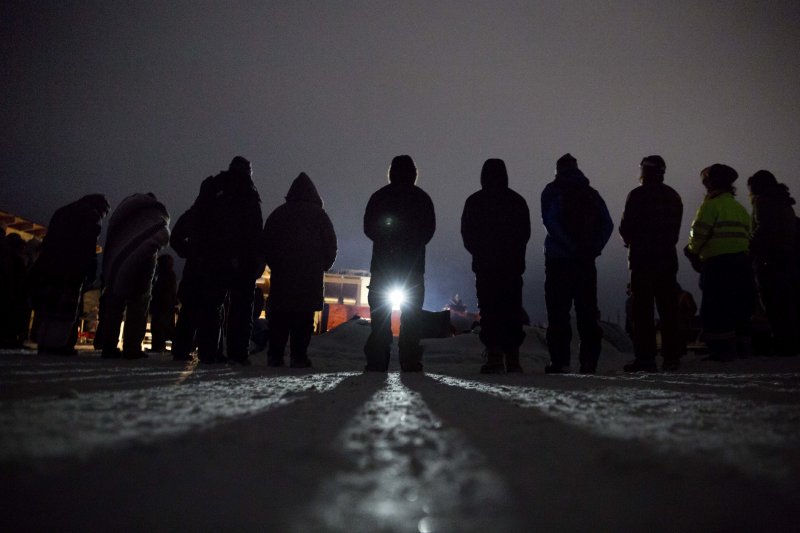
(397,297)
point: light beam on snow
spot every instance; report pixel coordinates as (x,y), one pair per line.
(62,426)
(405,468)
(744,433)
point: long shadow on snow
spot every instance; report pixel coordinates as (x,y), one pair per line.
(254,473)
(569,479)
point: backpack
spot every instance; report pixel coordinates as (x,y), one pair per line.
(582,218)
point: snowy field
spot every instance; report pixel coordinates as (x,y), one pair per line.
(95,445)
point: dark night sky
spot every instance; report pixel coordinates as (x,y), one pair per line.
(123,97)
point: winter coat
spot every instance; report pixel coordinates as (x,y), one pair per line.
(227,227)
(165,289)
(137,230)
(186,247)
(774,226)
(180,237)
(299,245)
(651,226)
(721,226)
(496,227)
(400,221)
(559,244)
(69,248)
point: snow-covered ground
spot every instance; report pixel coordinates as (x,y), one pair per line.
(92,444)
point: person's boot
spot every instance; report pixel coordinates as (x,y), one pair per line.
(494,362)
(512,361)
(553,368)
(671,364)
(411,359)
(744,346)
(641,365)
(299,361)
(721,350)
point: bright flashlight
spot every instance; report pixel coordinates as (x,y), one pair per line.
(397,297)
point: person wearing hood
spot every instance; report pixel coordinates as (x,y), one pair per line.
(495,228)
(578,227)
(772,249)
(718,246)
(137,230)
(299,245)
(400,221)
(650,228)
(66,264)
(226,234)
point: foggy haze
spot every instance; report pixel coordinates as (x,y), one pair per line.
(118,98)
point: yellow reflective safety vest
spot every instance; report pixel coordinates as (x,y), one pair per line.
(721,226)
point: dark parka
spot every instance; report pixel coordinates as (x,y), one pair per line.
(299,245)
(651,225)
(227,227)
(185,246)
(496,226)
(400,221)
(774,227)
(137,230)
(69,248)
(165,285)
(558,244)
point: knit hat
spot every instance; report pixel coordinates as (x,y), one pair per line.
(718,176)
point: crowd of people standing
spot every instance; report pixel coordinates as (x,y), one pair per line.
(745,262)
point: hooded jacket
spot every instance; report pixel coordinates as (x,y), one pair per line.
(558,244)
(227,226)
(400,221)
(496,225)
(69,248)
(774,226)
(137,230)
(299,245)
(651,225)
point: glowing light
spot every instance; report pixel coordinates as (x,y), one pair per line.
(397,297)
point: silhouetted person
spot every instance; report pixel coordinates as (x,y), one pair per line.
(578,227)
(718,245)
(687,311)
(772,249)
(181,240)
(67,261)
(227,227)
(496,227)
(14,327)
(163,302)
(400,221)
(137,230)
(6,291)
(299,246)
(650,228)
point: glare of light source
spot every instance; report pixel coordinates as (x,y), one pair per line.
(397,297)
